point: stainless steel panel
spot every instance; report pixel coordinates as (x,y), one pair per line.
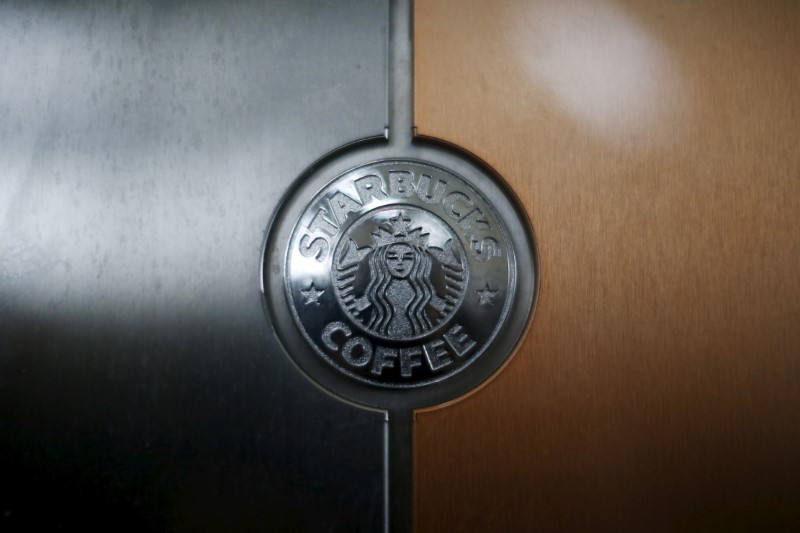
(143,148)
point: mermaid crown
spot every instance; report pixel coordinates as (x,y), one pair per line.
(397,230)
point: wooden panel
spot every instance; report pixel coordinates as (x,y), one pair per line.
(655,147)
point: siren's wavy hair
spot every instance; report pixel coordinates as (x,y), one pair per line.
(420,280)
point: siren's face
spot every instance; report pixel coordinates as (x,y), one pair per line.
(399,260)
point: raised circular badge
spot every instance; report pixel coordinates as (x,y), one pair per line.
(397,274)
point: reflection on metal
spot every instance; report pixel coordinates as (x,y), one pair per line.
(613,77)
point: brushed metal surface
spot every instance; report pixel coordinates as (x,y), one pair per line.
(143,148)
(654,146)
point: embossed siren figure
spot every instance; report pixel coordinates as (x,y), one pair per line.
(400,290)
(400,299)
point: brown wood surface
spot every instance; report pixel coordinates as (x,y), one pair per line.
(655,146)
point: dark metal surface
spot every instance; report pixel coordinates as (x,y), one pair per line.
(143,148)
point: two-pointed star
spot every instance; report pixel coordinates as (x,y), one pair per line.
(311,294)
(486,295)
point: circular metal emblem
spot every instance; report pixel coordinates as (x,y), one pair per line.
(399,274)
(399,283)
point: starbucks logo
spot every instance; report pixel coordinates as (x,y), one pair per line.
(399,274)
(393,280)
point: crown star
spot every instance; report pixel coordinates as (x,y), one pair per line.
(397,230)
